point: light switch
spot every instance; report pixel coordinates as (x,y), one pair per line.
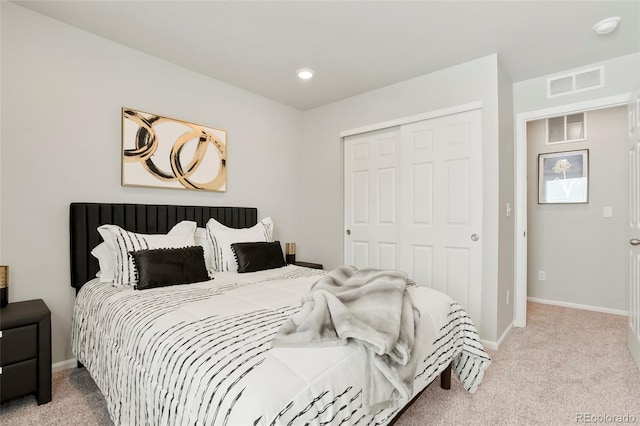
(508,209)
(607,211)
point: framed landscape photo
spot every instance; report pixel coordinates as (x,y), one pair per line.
(162,152)
(563,177)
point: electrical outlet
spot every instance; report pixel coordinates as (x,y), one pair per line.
(508,296)
(542,275)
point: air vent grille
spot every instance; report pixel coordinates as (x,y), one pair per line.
(567,128)
(589,79)
(561,86)
(578,81)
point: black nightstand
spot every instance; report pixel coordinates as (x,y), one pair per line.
(309,265)
(25,351)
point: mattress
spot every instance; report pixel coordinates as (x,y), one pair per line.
(200,354)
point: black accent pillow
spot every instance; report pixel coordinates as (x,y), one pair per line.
(169,266)
(252,257)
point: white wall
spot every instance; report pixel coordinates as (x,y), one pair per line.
(621,76)
(322,203)
(584,255)
(506,254)
(62,90)
(1,96)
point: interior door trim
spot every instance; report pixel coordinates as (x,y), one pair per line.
(413,118)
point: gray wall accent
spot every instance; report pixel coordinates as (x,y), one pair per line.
(584,255)
(323,169)
(62,91)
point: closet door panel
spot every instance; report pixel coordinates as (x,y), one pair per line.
(371,199)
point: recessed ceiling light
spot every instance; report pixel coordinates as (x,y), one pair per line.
(607,26)
(305,73)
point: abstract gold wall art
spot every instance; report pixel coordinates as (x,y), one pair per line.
(161,152)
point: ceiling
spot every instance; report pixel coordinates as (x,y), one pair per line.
(354,46)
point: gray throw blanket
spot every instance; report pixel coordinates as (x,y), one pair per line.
(372,308)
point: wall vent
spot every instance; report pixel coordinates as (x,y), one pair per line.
(567,128)
(579,81)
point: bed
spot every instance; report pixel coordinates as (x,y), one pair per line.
(201,353)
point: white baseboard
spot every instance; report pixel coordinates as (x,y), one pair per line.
(489,344)
(578,306)
(506,333)
(64,365)
(494,346)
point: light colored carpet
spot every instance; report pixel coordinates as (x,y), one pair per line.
(566,362)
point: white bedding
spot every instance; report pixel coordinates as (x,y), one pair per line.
(200,354)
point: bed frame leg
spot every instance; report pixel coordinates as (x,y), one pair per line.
(80,364)
(445,378)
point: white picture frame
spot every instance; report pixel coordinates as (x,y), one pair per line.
(563,177)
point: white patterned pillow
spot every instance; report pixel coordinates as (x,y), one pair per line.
(120,242)
(221,237)
(107,262)
(202,239)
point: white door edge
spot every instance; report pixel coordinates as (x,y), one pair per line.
(520,291)
(634,346)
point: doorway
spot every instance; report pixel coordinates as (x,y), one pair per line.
(599,210)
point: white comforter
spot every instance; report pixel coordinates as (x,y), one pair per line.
(200,354)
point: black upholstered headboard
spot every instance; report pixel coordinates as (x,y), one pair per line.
(84,219)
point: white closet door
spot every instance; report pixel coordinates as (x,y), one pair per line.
(413,202)
(441,219)
(371,196)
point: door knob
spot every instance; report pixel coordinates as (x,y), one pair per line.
(475,237)
(634,242)
(348,232)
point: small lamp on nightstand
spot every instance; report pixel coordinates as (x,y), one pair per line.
(4,285)
(290,253)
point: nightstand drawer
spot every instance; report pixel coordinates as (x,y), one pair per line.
(18,344)
(18,379)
